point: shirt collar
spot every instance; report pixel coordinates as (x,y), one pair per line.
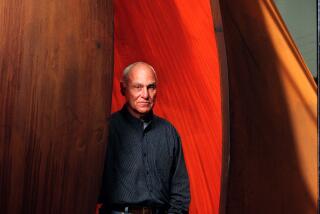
(136,121)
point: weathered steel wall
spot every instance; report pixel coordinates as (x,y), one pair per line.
(273,114)
(56,66)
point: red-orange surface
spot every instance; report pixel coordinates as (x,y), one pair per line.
(177,38)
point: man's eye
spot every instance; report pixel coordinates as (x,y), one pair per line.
(138,86)
(152,86)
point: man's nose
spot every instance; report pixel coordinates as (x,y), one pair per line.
(145,93)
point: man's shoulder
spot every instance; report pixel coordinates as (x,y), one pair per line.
(114,117)
(164,123)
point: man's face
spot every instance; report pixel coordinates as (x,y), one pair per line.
(140,90)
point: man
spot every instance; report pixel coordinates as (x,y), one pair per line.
(145,169)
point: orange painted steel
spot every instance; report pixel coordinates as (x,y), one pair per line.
(177,38)
(273,119)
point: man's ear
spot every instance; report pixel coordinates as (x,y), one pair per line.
(122,88)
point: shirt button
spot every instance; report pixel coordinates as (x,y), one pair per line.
(144,154)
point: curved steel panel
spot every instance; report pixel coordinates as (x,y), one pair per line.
(177,38)
(273,114)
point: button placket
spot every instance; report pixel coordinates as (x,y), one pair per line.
(146,162)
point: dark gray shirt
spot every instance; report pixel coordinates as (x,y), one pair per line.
(144,166)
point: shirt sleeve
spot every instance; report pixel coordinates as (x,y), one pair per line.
(180,191)
(107,172)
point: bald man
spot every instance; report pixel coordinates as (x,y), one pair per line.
(144,170)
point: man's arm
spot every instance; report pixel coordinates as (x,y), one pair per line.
(180,190)
(107,172)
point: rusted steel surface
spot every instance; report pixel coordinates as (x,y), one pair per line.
(273,116)
(56,67)
(223,65)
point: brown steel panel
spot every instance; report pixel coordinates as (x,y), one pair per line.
(56,64)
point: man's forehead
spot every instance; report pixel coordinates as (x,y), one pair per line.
(143,83)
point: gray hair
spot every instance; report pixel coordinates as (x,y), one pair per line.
(126,71)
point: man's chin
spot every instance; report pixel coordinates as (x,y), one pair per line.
(144,110)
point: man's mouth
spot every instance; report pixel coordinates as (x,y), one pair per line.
(144,103)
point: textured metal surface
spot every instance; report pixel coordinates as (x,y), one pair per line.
(273,114)
(56,66)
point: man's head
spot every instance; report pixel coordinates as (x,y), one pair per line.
(138,85)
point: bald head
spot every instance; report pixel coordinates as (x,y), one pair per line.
(136,66)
